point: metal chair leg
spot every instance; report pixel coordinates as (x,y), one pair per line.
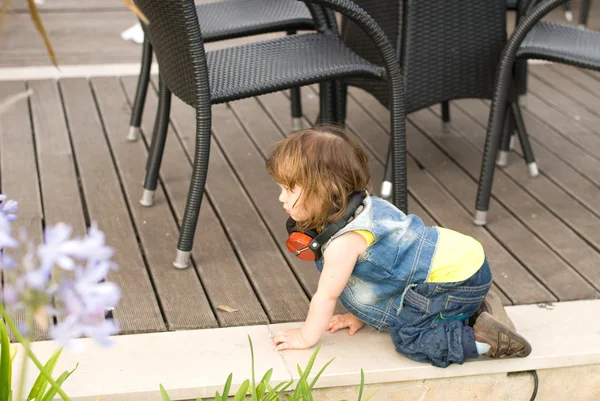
(507,135)
(297,121)
(386,185)
(197,184)
(140,93)
(159,137)
(326,99)
(446,111)
(340,101)
(584,12)
(524,139)
(568,12)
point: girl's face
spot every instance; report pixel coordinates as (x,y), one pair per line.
(291,202)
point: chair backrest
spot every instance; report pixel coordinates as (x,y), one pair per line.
(177,42)
(448,49)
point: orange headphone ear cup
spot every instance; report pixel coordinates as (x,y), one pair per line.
(298,243)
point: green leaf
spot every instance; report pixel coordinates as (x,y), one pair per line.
(13,353)
(312,384)
(241,393)
(5,364)
(267,377)
(369,397)
(227,387)
(39,387)
(254,397)
(362,384)
(275,392)
(164,394)
(61,379)
(309,366)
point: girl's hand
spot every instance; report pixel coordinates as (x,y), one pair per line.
(290,339)
(347,320)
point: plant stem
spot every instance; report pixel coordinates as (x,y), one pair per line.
(26,341)
(32,356)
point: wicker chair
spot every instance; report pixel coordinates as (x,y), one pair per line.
(532,39)
(446,52)
(229,19)
(201,79)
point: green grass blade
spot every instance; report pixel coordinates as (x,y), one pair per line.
(40,385)
(312,384)
(227,387)
(5,364)
(254,397)
(369,397)
(164,394)
(61,379)
(241,393)
(362,384)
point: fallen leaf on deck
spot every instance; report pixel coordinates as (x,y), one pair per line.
(226,308)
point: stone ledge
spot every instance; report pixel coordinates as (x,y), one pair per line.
(196,363)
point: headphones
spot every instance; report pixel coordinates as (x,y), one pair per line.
(307,245)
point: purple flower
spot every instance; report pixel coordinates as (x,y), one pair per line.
(71,328)
(60,249)
(9,209)
(6,238)
(86,299)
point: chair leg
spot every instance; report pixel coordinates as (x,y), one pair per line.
(568,12)
(140,93)
(297,122)
(484,190)
(446,111)
(524,139)
(584,12)
(326,96)
(386,185)
(157,146)
(507,135)
(340,95)
(196,191)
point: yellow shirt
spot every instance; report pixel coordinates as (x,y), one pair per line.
(456,258)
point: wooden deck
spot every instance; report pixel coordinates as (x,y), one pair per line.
(89,31)
(64,157)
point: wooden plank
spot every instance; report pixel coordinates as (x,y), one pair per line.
(138,310)
(19,181)
(276,286)
(580,78)
(182,299)
(507,269)
(538,256)
(556,197)
(61,199)
(75,36)
(220,272)
(566,86)
(565,106)
(566,174)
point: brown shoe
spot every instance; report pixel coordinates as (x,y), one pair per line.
(504,342)
(493,305)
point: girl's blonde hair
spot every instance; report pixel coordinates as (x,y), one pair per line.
(328,164)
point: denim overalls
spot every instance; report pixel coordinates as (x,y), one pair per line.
(388,288)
